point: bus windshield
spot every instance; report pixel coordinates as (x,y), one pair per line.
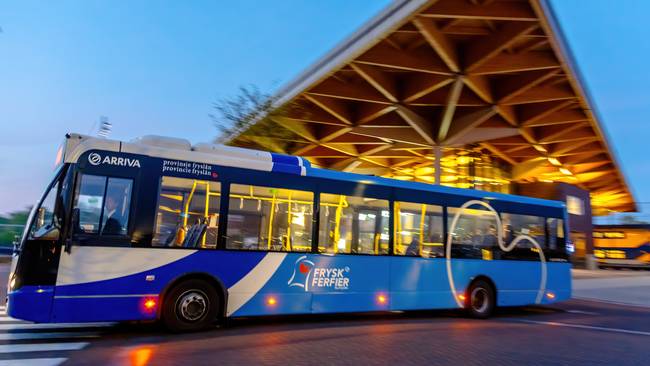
(43,215)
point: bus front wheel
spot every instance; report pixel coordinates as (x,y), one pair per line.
(190,306)
(480,300)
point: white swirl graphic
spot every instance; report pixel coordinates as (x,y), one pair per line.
(509,247)
(94,158)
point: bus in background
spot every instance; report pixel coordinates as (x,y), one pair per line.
(620,246)
(157,229)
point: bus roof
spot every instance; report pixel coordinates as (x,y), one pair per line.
(76,145)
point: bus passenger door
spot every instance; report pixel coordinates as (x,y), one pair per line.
(98,241)
(31,284)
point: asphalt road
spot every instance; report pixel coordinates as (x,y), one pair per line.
(577,332)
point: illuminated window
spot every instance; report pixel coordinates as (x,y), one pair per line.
(187,214)
(475,233)
(418,229)
(575,206)
(351,224)
(264,218)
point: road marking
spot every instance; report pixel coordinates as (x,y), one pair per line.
(31,326)
(581,312)
(641,306)
(34,362)
(9,319)
(42,347)
(25,336)
(580,326)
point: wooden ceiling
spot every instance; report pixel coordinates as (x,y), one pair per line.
(489,75)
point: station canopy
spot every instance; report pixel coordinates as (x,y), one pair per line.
(476,94)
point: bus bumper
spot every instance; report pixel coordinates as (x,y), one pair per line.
(32,303)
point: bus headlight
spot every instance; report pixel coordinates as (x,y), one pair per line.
(12,283)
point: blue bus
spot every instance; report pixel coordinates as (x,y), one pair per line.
(158,229)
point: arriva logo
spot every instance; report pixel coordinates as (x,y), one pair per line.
(306,275)
(96,159)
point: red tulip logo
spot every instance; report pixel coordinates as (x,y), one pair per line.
(304,268)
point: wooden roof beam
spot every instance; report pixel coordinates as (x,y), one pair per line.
(514,85)
(557,118)
(562,148)
(542,94)
(334,88)
(368,112)
(419,85)
(439,42)
(297,127)
(482,50)
(421,60)
(519,11)
(517,62)
(346,165)
(532,113)
(450,108)
(423,127)
(549,134)
(497,152)
(464,124)
(406,134)
(480,85)
(332,106)
(378,79)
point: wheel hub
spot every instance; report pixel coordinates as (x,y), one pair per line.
(479,300)
(192,305)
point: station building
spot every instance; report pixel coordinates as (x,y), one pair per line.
(475,94)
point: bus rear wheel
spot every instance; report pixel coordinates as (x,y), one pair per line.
(190,306)
(480,300)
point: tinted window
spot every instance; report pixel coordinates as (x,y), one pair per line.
(265,218)
(90,200)
(419,231)
(351,224)
(555,229)
(104,205)
(475,233)
(515,225)
(187,214)
(117,204)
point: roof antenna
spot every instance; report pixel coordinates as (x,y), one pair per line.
(105,127)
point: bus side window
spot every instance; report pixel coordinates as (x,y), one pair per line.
(187,215)
(418,231)
(533,226)
(104,205)
(266,218)
(350,224)
(475,233)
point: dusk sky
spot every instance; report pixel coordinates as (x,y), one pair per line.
(156,67)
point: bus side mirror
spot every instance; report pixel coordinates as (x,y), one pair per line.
(74,226)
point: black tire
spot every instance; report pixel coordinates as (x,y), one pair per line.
(190,306)
(480,299)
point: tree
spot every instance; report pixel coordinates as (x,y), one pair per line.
(255,113)
(631,220)
(12,225)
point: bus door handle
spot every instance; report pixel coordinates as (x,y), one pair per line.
(73,227)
